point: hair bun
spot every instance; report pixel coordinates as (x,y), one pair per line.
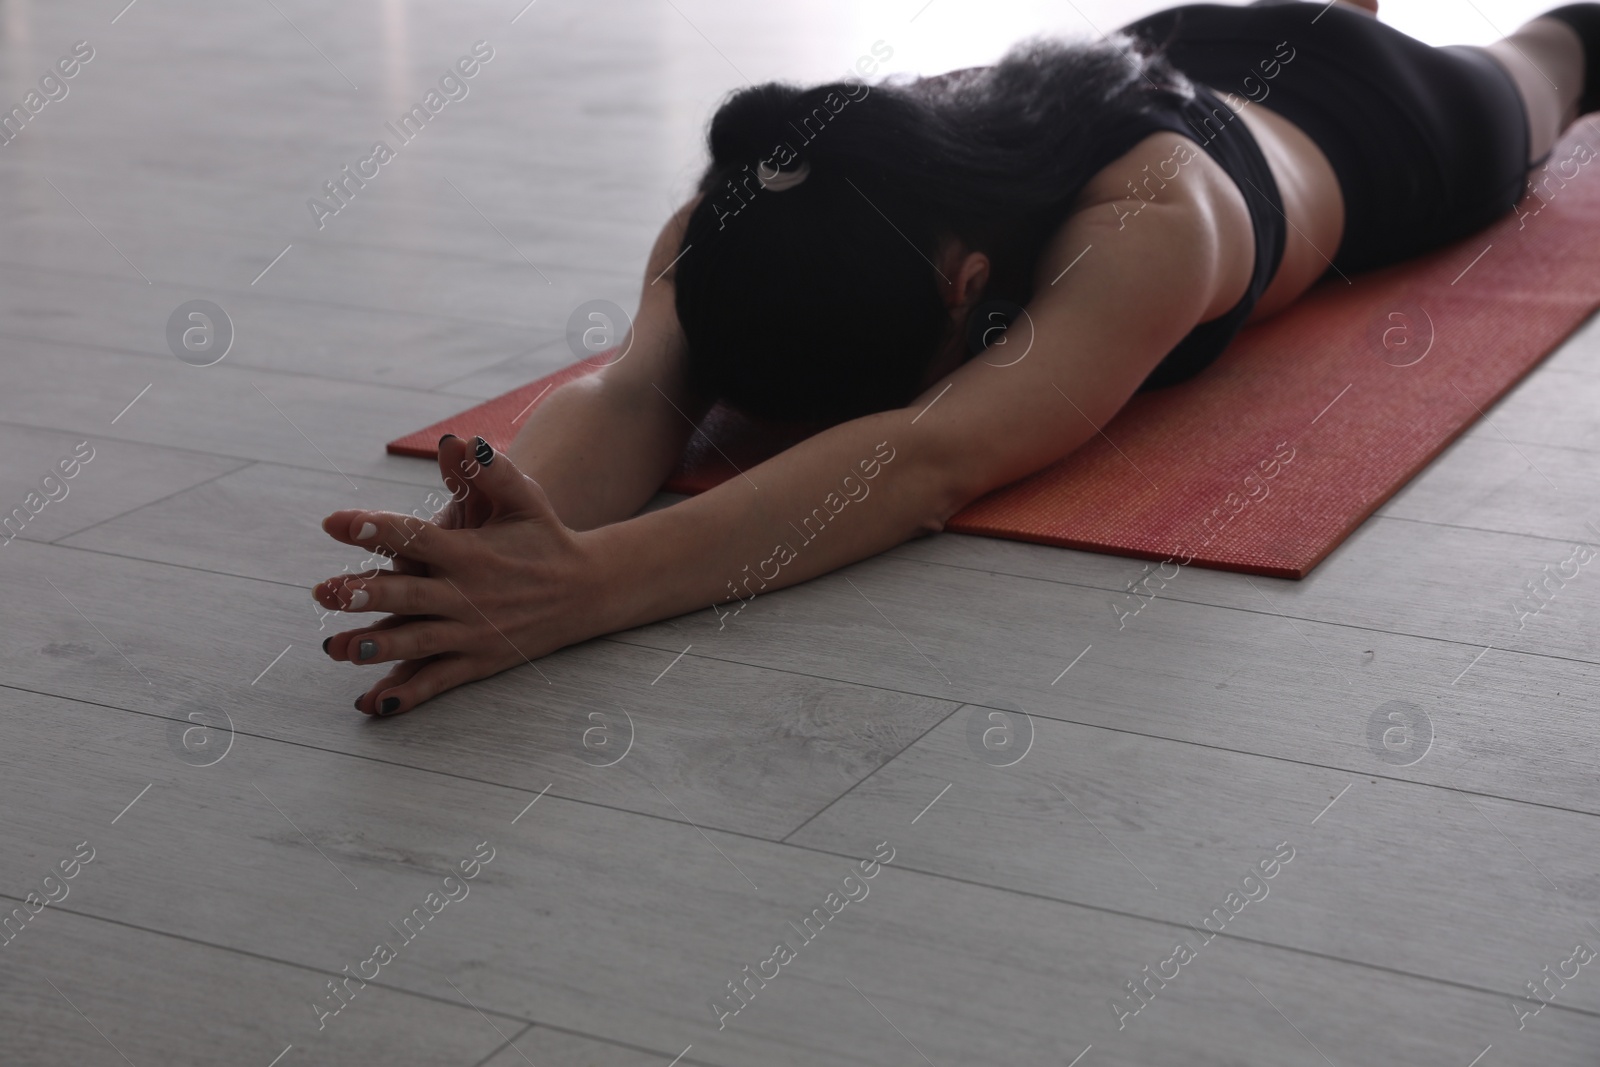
(751,122)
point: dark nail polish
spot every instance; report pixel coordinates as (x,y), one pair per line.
(481,449)
(325,641)
(366,649)
(446,437)
(358,703)
(388,706)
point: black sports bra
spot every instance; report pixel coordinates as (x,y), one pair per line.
(1216,127)
(1210,122)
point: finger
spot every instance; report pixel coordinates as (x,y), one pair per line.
(342,644)
(513,494)
(467,507)
(392,534)
(467,514)
(476,510)
(412,639)
(439,674)
(367,703)
(449,517)
(398,594)
(375,563)
(402,565)
(466,500)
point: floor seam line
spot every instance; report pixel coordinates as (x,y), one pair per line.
(151,503)
(907,748)
(748,835)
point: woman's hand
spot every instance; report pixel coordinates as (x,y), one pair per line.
(466,509)
(469,506)
(496,581)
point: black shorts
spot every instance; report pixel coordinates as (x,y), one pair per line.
(1428,144)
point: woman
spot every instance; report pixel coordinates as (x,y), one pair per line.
(1138,199)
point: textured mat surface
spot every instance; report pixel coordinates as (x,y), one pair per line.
(1304,427)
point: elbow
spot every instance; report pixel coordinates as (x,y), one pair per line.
(949,494)
(941,474)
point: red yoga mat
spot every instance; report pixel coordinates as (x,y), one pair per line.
(1309,421)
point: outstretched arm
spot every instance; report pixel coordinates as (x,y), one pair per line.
(525,584)
(602,445)
(869,484)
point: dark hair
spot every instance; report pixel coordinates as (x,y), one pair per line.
(819,301)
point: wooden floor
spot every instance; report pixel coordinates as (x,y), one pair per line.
(1065,801)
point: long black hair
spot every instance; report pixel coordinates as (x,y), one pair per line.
(807,288)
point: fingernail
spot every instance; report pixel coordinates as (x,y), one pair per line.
(358,599)
(388,706)
(325,642)
(367,530)
(366,650)
(446,437)
(358,703)
(481,449)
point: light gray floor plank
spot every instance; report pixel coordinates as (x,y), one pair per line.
(318,338)
(1203,729)
(1547,408)
(226,411)
(118,477)
(1497,486)
(1442,582)
(614,724)
(967,973)
(544,1046)
(515,372)
(1252,664)
(1246,679)
(264,525)
(1113,820)
(1580,353)
(124,995)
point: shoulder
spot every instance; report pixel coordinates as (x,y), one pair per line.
(1165,165)
(1164,208)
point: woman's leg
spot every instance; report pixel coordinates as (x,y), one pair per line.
(1545,58)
